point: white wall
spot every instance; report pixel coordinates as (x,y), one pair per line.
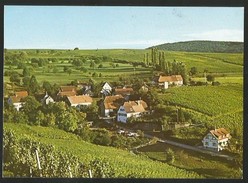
(122,115)
(18,105)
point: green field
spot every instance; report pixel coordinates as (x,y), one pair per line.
(123,162)
(222,63)
(222,105)
(205,165)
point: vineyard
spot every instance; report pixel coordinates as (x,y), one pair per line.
(216,106)
(68,156)
(209,100)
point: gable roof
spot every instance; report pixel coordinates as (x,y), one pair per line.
(106,83)
(67,93)
(21,94)
(67,88)
(80,99)
(220,133)
(113,102)
(15,99)
(135,106)
(123,91)
(172,78)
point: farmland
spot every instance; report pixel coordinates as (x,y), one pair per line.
(200,163)
(124,163)
(210,106)
(63,58)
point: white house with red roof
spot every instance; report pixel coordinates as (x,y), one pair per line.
(131,109)
(216,139)
(80,100)
(166,81)
(111,104)
(17,99)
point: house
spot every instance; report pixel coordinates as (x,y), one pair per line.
(125,92)
(131,109)
(17,99)
(80,100)
(106,89)
(111,104)
(166,81)
(47,99)
(216,139)
(17,102)
(66,91)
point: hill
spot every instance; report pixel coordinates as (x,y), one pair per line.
(60,145)
(203,46)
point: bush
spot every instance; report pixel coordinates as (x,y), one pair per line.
(215,83)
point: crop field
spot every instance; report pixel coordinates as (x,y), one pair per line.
(210,100)
(222,105)
(124,162)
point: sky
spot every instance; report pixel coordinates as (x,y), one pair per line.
(89,27)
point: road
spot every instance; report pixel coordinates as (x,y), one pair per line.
(184,146)
(198,149)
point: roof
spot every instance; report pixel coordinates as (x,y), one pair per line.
(15,99)
(67,88)
(21,93)
(80,99)
(113,102)
(105,84)
(220,133)
(123,91)
(135,106)
(67,93)
(170,78)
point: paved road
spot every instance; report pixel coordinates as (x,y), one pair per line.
(198,149)
(184,146)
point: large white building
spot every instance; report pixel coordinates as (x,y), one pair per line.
(216,139)
(131,109)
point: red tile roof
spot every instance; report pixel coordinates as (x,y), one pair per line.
(135,106)
(67,88)
(80,99)
(67,93)
(21,94)
(113,102)
(172,78)
(15,99)
(123,91)
(220,133)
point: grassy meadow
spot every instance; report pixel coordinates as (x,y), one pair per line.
(213,62)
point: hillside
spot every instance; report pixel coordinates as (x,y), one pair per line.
(203,46)
(124,163)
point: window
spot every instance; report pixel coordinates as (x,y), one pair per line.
(206,143)
(214,144)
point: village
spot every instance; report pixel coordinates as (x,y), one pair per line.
(126,113)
